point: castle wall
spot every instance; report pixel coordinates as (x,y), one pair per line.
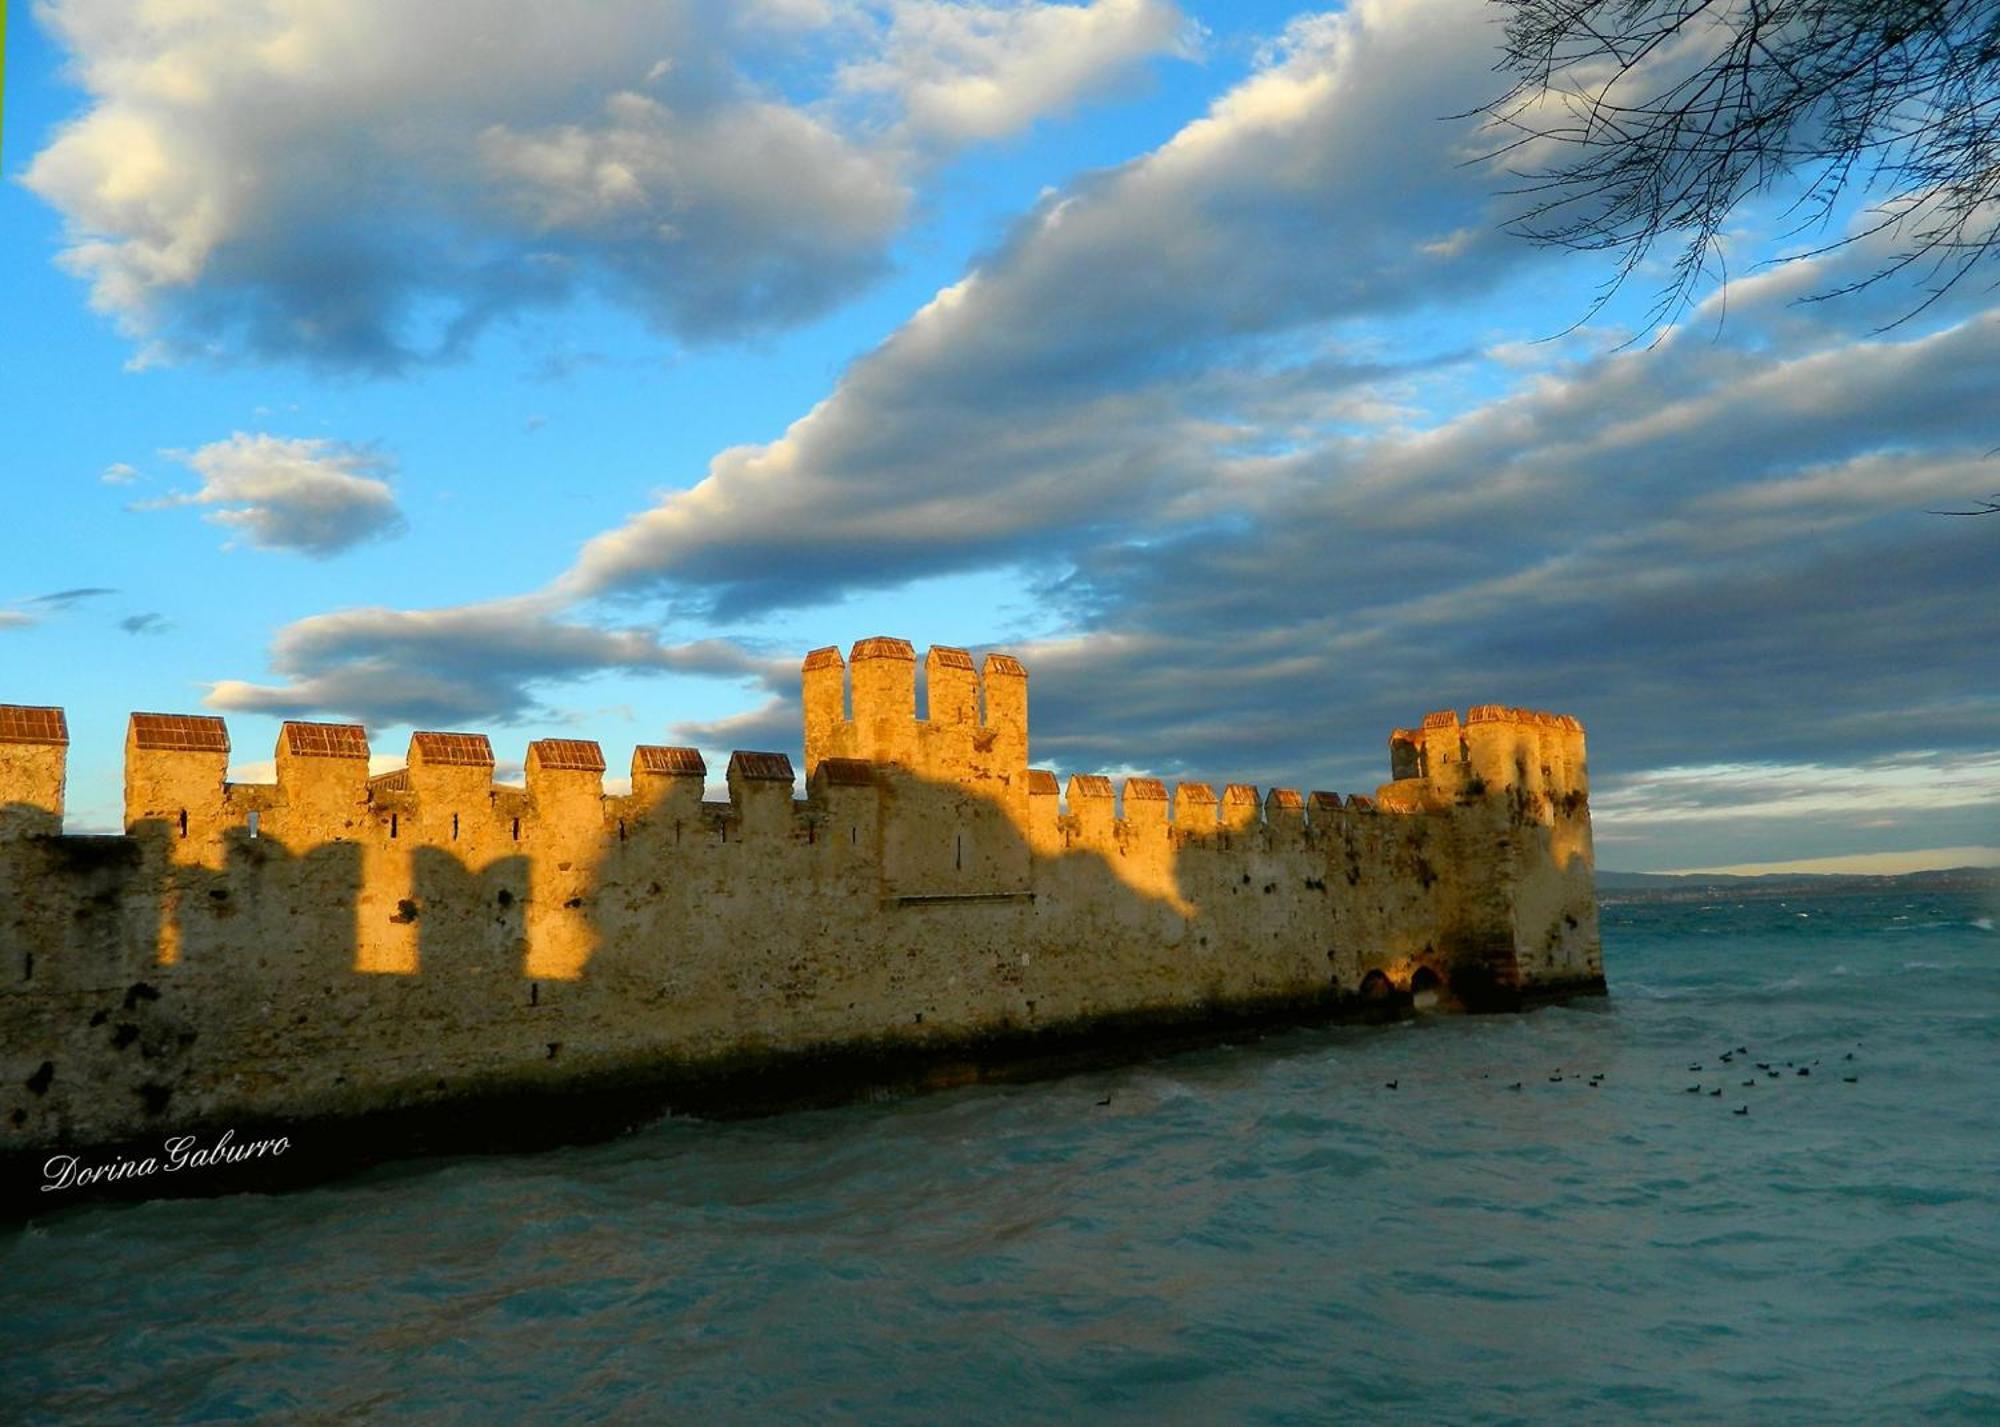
(335,944)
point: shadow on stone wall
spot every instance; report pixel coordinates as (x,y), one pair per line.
(727,957)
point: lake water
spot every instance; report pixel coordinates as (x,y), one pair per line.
(1263,1233)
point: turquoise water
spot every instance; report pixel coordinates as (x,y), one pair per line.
(1262,1233)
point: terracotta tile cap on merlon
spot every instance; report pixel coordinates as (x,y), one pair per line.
(34,723)
(325,740)
(567,755)
(882,647)
(180,733)
(669,762)
(760,767)
(451,750)
(845,772)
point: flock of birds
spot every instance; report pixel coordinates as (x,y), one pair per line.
(1770,1069)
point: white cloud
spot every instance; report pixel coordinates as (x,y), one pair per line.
(368,183)
(1912,784)
(964,71)
(308,495)
(471,662)
(1082,375)
(118,473)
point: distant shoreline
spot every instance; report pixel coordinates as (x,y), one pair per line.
(1669,886)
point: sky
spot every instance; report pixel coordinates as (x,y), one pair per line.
(548,369)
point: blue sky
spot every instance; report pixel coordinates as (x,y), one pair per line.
(509,367)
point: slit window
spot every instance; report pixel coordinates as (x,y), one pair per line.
(454,827)
(392,825)
(252,822)
(184,822)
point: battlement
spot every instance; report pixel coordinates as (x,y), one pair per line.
(859,717)
(34,744)
(336,942)
(1496,750)
(974,727)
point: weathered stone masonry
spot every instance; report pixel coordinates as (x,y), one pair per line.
(335,945)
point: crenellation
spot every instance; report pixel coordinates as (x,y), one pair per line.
(565,784)
(1195,809)
(1241,807)
(1285,812)
(34,755)
(1406,754)
(1004,684)
(1093,810)
(883,675)
(1144,806)
(829,733)
(1044,810)
(951,689)
(176,775)
(667,782)
(450,776)
(322,781)
(346,942)
(760,790)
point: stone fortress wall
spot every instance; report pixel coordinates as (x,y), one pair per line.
(336,945)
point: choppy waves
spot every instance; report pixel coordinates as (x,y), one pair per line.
(1265,1233)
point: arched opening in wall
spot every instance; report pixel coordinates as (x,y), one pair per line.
(1426,988)
(1376,987)
(252,822)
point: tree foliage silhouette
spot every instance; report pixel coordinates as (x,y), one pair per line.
(1641,122)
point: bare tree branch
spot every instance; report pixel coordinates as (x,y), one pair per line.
(1652,120)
